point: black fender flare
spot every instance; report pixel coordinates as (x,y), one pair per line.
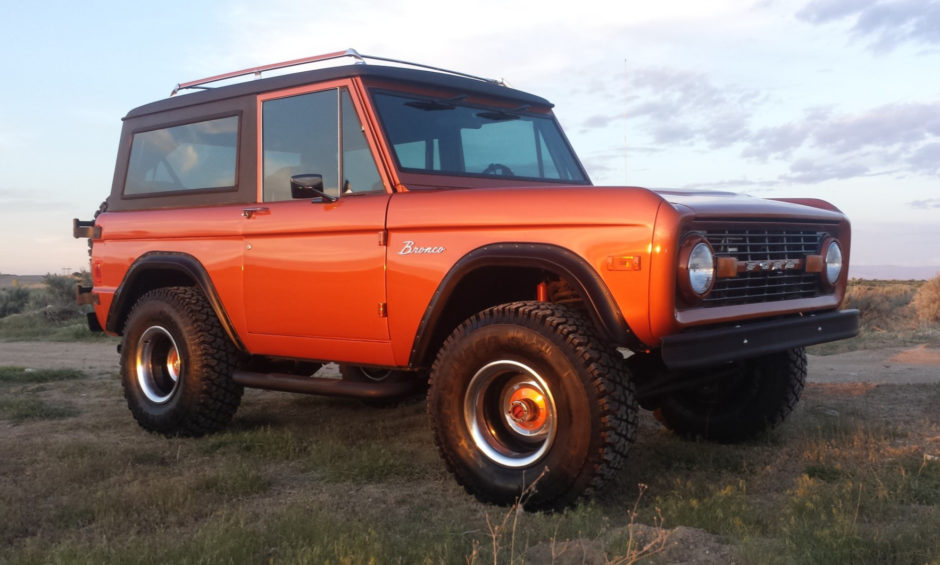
(563,262)
(181,265)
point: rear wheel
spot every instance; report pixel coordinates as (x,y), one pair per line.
(177,364)
(525,393)
(744,400)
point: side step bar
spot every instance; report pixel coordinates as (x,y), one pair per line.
(324,386)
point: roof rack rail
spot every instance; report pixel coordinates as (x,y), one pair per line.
(360,59)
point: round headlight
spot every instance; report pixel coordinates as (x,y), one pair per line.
(701,269)
(833,260)
(696,269)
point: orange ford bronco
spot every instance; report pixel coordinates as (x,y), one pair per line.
(423,227)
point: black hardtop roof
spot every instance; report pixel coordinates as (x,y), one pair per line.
(413,76)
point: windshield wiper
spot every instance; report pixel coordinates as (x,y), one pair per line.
(503,115)
(434,105)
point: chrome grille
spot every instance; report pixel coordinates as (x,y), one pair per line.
(754,245)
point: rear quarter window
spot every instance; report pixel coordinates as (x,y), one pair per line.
(189,157)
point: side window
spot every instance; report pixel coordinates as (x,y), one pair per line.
(301,136)
(197,156)
(359,171)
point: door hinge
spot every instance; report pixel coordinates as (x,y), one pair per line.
(383,310)
(383,238)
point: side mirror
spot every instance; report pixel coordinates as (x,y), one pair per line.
(309,186)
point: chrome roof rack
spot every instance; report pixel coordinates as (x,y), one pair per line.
(360,59)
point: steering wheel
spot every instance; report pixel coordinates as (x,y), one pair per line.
(498,169)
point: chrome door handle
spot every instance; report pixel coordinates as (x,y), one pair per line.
(250,212)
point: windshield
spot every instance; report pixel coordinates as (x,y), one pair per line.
(447,137)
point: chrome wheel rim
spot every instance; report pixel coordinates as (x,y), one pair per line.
(510,413)
(158,365)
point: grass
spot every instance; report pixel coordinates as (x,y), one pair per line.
(875,338)
(22,410)
(20,375)
(888,317)
(312,480)
(34,326)
(20,404)
(852,477)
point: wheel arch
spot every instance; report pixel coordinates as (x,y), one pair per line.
(462,291)
(159,269)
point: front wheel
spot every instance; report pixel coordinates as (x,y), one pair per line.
(743,399)
(177,364)
(524,395)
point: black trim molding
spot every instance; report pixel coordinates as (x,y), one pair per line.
(167,261)
(563,262)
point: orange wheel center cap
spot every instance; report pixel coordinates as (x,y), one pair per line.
(527,409)
(524,411)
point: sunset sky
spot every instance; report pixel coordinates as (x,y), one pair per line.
(836,99)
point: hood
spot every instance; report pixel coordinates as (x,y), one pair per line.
(730,205)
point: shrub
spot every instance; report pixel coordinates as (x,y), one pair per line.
(57,299)
(927,301)
(13,300)
(882,306)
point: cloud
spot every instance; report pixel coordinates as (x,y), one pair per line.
(810,171)
(821,11)
(892,125)
(778,141)
(885,126)
(886,24)
(925,204)
(599,121)
(751,185)
(826,145)
(926,159)
(686,107)
(680,108)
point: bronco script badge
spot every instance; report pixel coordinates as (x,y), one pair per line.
(409,248)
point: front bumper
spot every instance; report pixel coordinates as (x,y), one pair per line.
(753,339)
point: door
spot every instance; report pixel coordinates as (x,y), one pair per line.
(314,267)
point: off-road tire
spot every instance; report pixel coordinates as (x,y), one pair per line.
(750,398)
(551,349)
(193,396)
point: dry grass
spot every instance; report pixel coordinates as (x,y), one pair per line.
(890,316)
(852,477)
(926,302)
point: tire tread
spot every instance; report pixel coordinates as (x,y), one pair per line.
(608,378)
(212,397)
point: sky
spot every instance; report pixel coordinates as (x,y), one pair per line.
(831,99)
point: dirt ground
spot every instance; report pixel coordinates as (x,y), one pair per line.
(919,365)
